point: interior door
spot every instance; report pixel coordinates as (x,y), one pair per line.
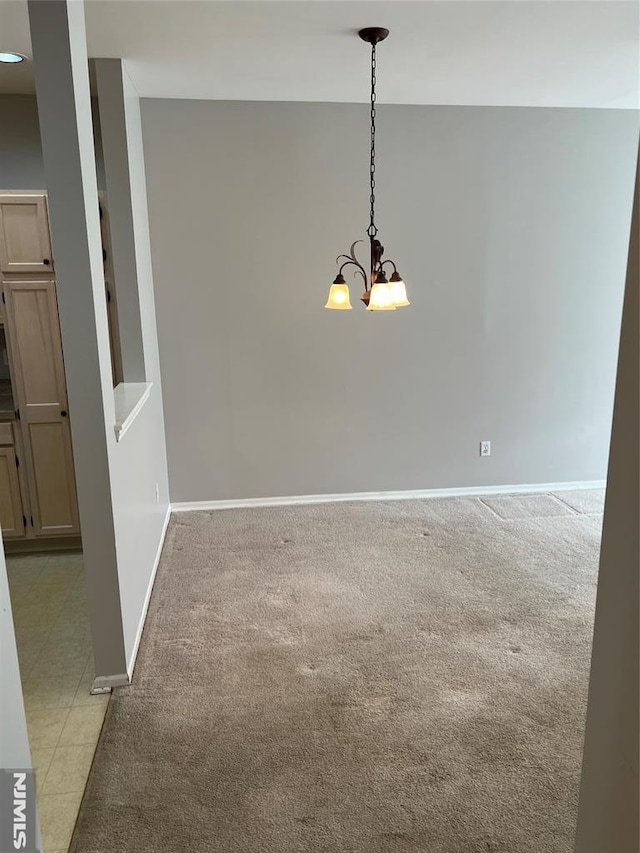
(25,246)
(35,350)
(11,517)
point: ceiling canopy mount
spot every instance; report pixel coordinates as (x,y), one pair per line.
(373,35)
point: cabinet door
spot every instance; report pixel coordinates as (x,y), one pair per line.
(35,349)
(24,234)
(11,513)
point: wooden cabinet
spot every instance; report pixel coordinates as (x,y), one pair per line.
(39,388)
(37,478)
(25,246)
(11,510)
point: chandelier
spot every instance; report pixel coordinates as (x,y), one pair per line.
(379,294)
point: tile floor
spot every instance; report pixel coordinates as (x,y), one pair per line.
(49,603)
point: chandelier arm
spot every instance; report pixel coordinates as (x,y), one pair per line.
(352,250)
(389,261)
(359,268)
(352,260)
(352,255)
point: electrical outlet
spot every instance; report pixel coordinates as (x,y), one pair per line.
(157,493)
(485,448)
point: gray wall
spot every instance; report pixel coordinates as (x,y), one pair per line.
(21,164)
(510,227)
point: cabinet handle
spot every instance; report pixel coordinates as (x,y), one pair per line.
(63,414)
(46,261)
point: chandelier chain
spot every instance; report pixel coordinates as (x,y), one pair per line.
(372,230)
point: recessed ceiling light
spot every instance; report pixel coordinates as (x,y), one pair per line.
(11,57)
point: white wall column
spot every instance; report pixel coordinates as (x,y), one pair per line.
(64,107)
(137,460)
(608,814)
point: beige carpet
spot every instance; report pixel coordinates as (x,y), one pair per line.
(356,678)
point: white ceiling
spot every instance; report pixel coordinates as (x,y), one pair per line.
(576,53)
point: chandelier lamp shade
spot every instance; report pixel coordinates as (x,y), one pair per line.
(380,293)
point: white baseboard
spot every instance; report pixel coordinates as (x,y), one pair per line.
(145,607)
(414,494)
